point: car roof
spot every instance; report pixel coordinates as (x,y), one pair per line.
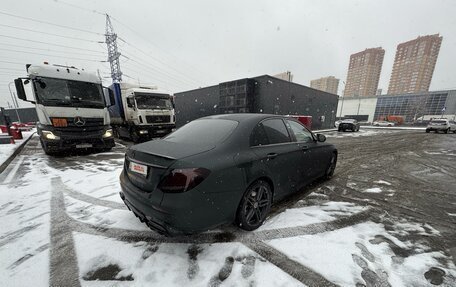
(241,117)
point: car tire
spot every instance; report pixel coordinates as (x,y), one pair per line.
(331,167)
(255,206)
(446,131)
(427,130)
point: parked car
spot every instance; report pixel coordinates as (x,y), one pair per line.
(222,169)
(348,124)
(383,124)
(336,123)
(441,125)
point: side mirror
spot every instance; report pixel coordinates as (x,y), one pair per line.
(321,138)
(130,103)
(112,99)
(20,89)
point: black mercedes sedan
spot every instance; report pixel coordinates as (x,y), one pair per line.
(222,169)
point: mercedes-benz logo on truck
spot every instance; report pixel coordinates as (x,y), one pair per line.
(79,121)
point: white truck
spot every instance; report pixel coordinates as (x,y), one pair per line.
(141,113)
(71,107)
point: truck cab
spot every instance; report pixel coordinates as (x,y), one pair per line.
(71,108)
(142,112)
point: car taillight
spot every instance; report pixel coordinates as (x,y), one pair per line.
(181,180)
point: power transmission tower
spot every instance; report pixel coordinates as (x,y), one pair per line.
(113,54)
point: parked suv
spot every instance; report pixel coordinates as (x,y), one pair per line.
(443,125)
(348,124)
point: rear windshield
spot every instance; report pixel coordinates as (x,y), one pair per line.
(438,122)
(203,132)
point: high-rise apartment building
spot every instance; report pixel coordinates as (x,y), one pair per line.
(327,84)
(364,72)
(286,76)
(414,65)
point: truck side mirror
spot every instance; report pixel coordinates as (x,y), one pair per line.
(20,89)
(130,102)
(112,99)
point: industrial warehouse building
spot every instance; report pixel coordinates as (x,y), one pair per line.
(263,94)
(411,106)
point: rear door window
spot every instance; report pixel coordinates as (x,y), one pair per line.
(259,136)
(276,131)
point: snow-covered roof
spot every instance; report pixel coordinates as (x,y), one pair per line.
(62,72)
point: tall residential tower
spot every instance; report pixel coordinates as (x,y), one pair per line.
(414,65)
(364,72)
(327,84)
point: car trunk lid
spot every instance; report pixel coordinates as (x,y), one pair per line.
(146,164)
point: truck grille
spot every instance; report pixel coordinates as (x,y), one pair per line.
(80,124)
(158,119)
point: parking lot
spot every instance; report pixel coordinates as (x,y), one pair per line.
(387,218)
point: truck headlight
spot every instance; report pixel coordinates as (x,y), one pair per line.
(50,136)
(107,133)
(143,132)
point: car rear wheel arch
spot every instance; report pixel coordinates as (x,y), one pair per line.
(238,216)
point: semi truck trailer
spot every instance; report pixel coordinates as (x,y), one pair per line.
(141,112)
(71,107)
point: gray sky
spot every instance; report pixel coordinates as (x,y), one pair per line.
(187,44)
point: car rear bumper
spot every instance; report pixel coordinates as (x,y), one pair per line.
(175,214)
(437,128)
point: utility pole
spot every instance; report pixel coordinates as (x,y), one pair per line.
(113,53)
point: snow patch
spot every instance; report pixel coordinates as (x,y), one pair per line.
(373,190)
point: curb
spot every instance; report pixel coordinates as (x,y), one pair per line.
(395,128)
(5,164)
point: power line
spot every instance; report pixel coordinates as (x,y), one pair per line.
(47,50)
(150,71)
(41,54)
(158,71)
(52,34)
(14,63)
(47,43)
(79,7)
(10,69)
(49,23)
(141,37)
(154,77)
(160,61)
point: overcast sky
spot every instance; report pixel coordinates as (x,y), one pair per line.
(181,45)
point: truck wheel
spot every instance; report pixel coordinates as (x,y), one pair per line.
(427,130)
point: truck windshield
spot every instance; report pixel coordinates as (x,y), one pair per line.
(59,92)
(153,101)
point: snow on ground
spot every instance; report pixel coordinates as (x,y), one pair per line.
(311,214)
(382,182)
(363,253)
(174,264)
(24,234)
(94,177)
(361,133)
(102,216)
(373,190)
(6,150)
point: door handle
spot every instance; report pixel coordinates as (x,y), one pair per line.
(306,147)
(272,155)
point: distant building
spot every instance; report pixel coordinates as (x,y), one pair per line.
(286,76)
(327,84)
(364,72)
(262,94)
(414,65)
(410,106)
